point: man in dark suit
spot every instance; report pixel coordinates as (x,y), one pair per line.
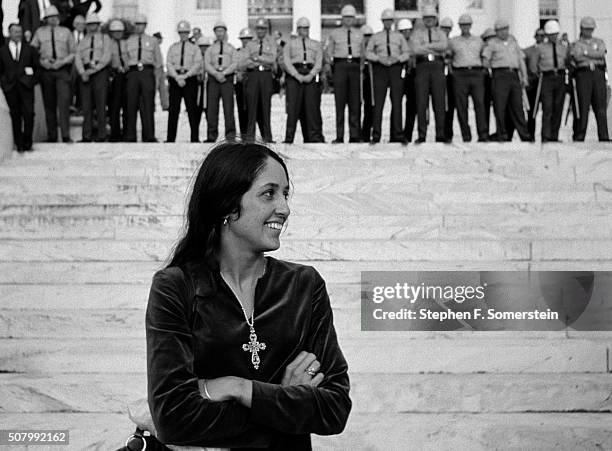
(18,72)
(30,16)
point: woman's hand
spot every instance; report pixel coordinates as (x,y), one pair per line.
(227,388)
(139,413)
(295,373)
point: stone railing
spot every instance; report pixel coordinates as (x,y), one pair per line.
(6,130)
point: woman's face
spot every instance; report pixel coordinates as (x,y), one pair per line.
(263,211)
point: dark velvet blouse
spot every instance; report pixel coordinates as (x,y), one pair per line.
(195,329)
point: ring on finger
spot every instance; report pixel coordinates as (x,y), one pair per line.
(311,371)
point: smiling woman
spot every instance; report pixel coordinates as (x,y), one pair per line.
(241,348)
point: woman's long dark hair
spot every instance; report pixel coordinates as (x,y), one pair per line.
(226,173)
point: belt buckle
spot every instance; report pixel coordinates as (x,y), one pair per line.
(430,57)
(140,66)
(92,64)
(260,68)
(350,58)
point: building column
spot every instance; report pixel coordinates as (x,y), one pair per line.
(524,20)
(235,13)
(312,11)
(161,16)
(373,10)
(452,9)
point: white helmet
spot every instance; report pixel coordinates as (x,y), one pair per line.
(551,27)
(404,24)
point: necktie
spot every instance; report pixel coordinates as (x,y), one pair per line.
(120,55)
(348,42)
(304,48)
(16,51)
(53,43)
(555,61)
(182,53)
(220,60)
(91,50)
(261,47)
(429,33)
(139,48)
(388,45)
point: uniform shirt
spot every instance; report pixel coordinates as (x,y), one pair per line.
(422,44)
(118,60)
(498,53)
(338,43)
(303,50)
(531,61)
(267,56)
(241,58)
(387,43)
(229,58)
(587,51)
(192,59)
(466,51)
(65,47)
(545,56)
(150,53)
(101,52)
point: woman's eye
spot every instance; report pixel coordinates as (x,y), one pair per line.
(269,193)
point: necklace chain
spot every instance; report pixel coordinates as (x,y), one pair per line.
(250,322)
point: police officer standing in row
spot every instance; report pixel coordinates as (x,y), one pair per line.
(260,66)
(531,56)
(118,93)
(404,26)
(506,60)
(303,59)
(220,62)
(366,86)
(468,79)
(589,56)
(486,36)
(429,45)
(183,63)
(245,36)
(446,25)
(344,47)
(203,42)
(388,51)
(57,48)
(92,59)
(551,63)
(143,56)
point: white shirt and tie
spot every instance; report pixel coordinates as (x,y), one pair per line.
(78,36)
(15,48)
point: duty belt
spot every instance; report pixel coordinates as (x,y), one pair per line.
(467,68)
(554,72)
(140,67)
(303,68)
(260,68)
(181,71)
(587,68)
(429,58)
(347,60)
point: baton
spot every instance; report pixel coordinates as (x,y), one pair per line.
(608,89)
(204,92)
(371,71)
(575,95)
(526,107)
(536,105)
(361,85)
(569,109)
(446,90)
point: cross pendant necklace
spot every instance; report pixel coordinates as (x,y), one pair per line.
(254,345)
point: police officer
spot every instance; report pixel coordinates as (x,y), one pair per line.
(404,26)
(486,36)
(446,25)
(203,42)
(118,93)
(468,79)
(429,45)
(241,105)
(367,97)
(183,63)
(588,54)
(303,59)
(551,62)
(57,49)
(260,65)
(388,51)
(92,64)
(220,62)
(143,56)
(344,48)
(531,56)
(506,59)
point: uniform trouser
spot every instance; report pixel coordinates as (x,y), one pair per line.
(388,77)
(346,91)
(189,94)
(302,101)
(531,91)
(225,92)
(56,93)
(366,87)
(449,111)
(411,106)
(118,106)
(488,100)
(259,93)
(470,83)
(553,98)
(93,96)
(20,101)
(508,99)
(141,97)
(591,87)
(241,106)
(430,79)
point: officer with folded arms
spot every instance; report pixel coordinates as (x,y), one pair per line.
(589,56)
(92,64)
(183,63)
(220,63)
(143,56)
